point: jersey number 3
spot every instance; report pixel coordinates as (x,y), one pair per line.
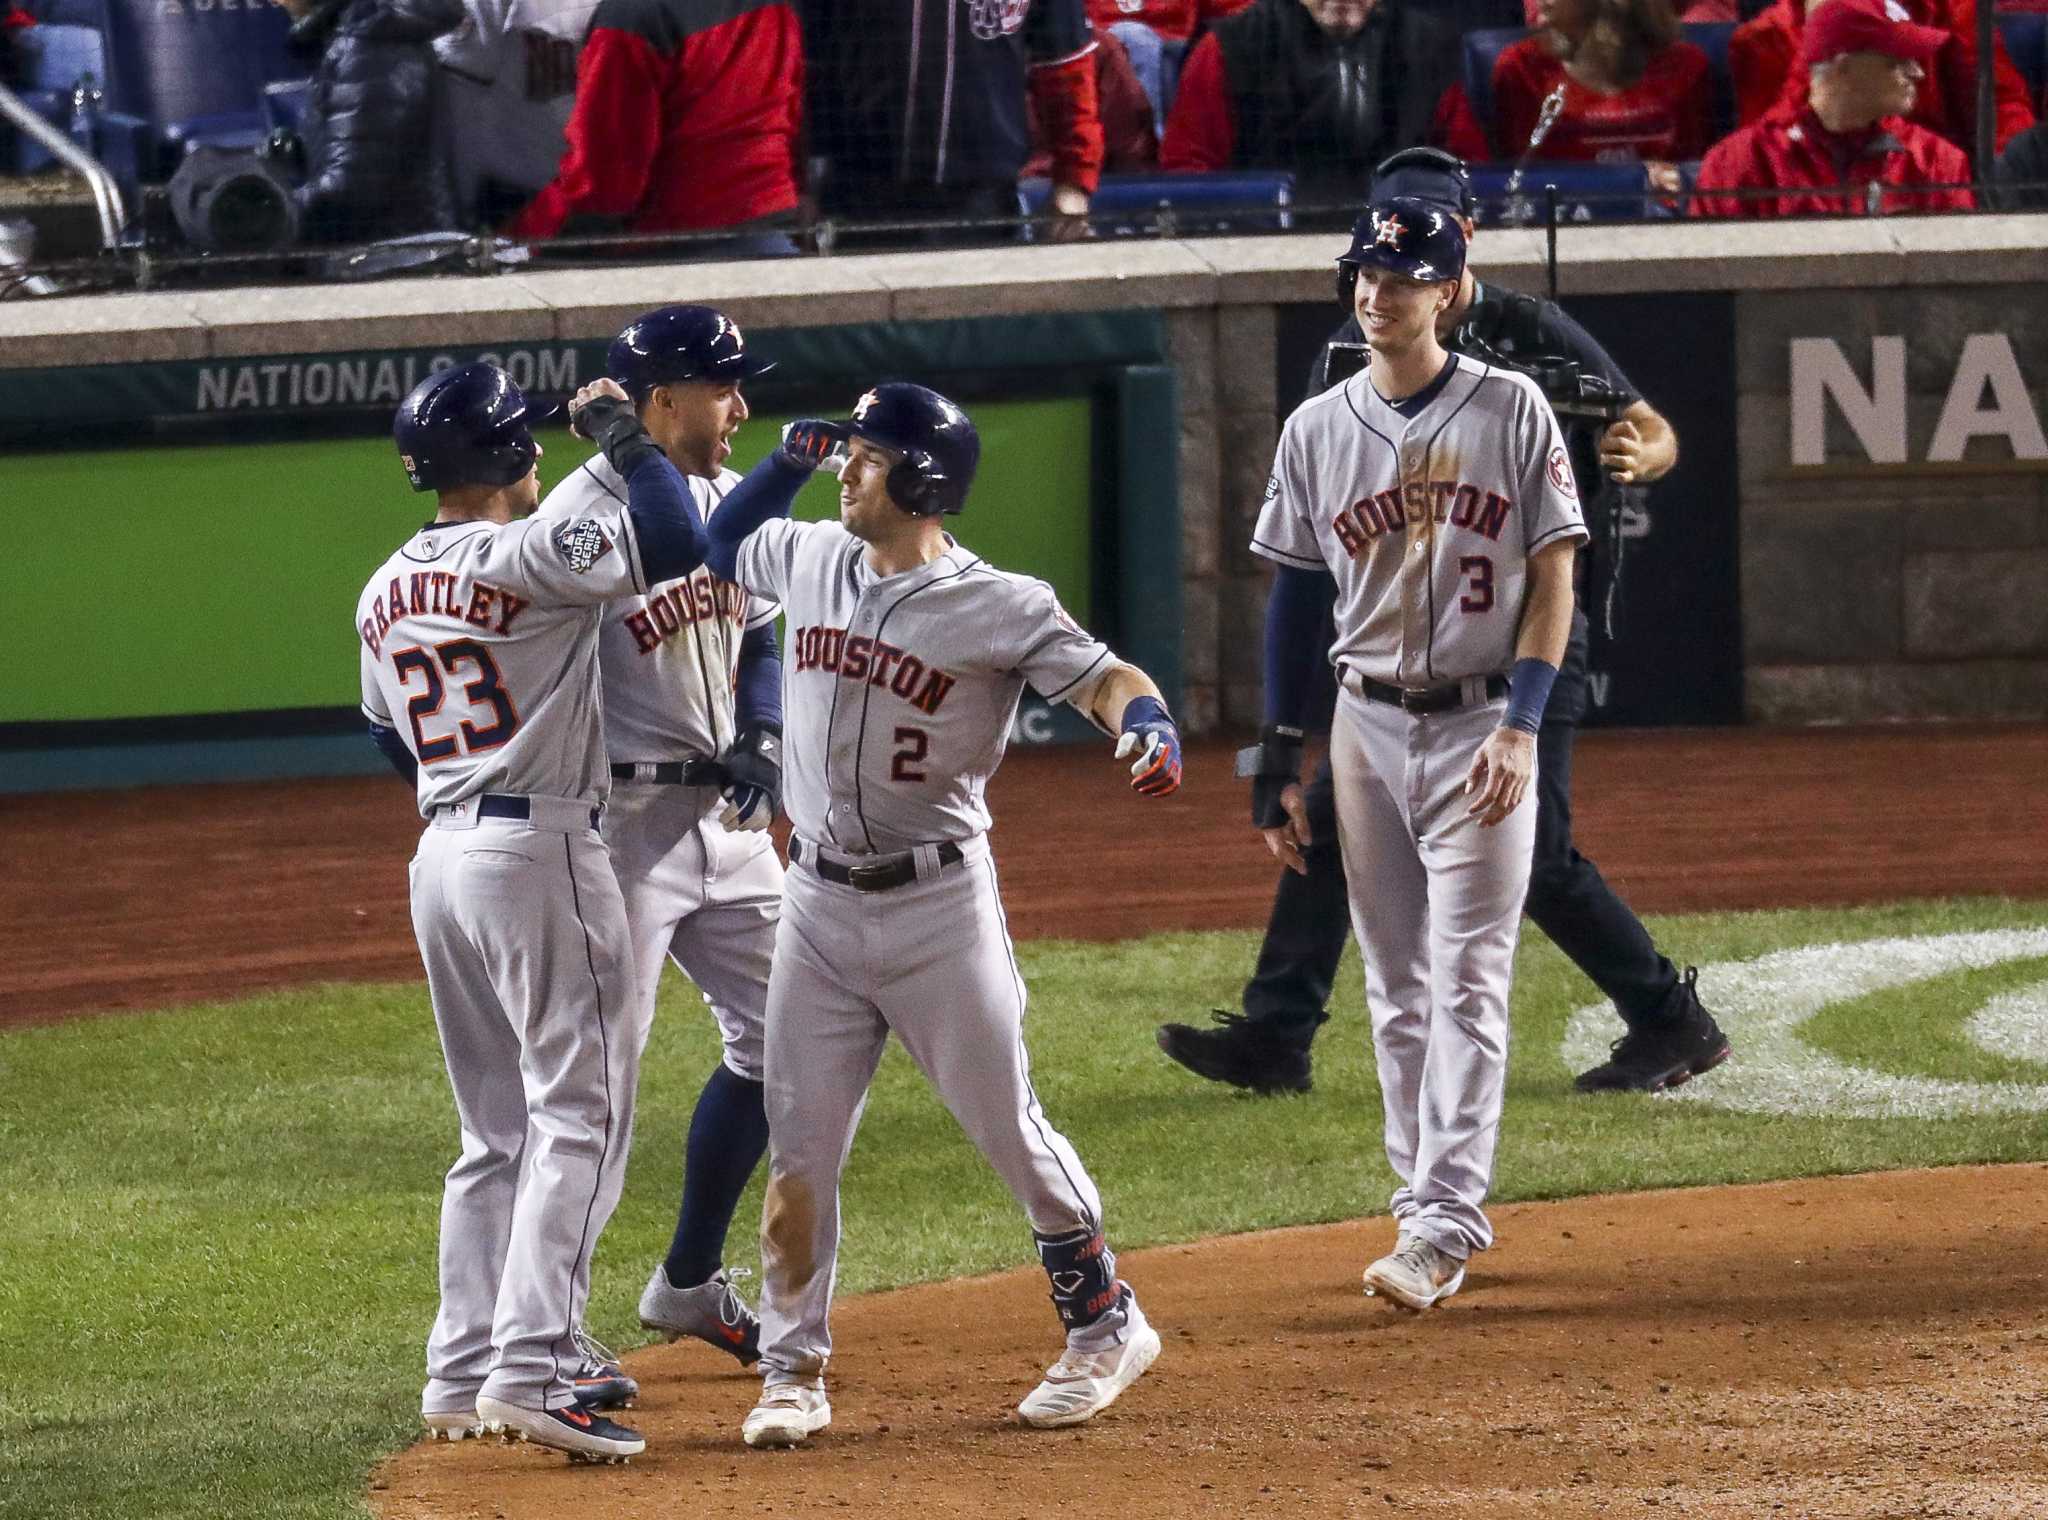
(1477,571)
(486,688)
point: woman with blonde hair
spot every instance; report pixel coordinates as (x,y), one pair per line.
(1629,88)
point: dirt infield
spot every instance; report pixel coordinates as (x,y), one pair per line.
(1850,1348)
(159,896)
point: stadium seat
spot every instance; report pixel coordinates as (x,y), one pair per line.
(1585,192)
(1482,50)
(56,60)
(284,103)
(2026,38)
(1711,38)
(1130,204)
(196,73)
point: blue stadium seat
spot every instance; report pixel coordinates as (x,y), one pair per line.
(1482,50)
(1585,192)
(1127,204)
(56,60)
(1711,38)
(196,73)
(2026,38)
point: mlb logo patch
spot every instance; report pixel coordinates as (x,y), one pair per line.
(582,544)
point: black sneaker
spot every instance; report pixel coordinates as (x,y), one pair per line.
(1237,1051)
(585,1436)
(1680,1044)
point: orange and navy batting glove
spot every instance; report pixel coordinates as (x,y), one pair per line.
(1150,734)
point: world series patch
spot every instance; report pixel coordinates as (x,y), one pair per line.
(582,544)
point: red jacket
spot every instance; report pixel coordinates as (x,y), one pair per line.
(686,117)
(16,17)
(1763,57)
(1667,114)
(1128,144)
(1827,175)
(1174,20)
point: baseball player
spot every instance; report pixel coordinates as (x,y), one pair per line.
(1430,498)
(479,675)
(908,654)
(1669,1035)
(692,726)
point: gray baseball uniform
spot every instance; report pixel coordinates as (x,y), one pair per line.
(480,648)
(1427,522)
(900,692)
(698,892)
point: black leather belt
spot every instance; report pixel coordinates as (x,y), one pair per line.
(885,873)
(1427,699)
(674,773)
(498,805)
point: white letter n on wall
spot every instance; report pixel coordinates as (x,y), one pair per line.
(1877,417)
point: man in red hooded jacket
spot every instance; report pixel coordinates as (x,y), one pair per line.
(1763,57)
(1846,147)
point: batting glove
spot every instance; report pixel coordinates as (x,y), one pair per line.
(1150,735)
(809,442)
(753,772)
(615,428)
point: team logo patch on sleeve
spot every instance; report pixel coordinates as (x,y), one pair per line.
(1561,472)
(582,544)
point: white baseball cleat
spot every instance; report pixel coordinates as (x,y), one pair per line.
(452,1424)
(788,1414)
(585,1436)
(1416,1275)
(1080,1385)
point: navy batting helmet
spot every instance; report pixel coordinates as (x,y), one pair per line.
(1428,174)
(464,426)
(681,343)
(937,440)
(1407,235)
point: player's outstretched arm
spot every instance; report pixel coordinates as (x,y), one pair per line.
(665,517)
(1506,761)
(1127,702)
(769,490)
(1295,611)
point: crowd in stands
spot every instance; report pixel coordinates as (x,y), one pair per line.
(753,119)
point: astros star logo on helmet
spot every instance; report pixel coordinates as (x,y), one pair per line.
(860,407)
(1388,230)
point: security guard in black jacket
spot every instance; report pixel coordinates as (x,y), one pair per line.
(1669,1037)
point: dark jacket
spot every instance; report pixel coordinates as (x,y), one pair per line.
(371,169)
(1326,108)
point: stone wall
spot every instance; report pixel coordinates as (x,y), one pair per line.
(1871,588)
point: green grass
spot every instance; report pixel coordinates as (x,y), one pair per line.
(217,1268)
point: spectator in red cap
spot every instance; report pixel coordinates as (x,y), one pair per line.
(1847,147)
(1764,59)
(1633,90)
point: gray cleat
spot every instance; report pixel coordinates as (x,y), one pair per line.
(711,1312)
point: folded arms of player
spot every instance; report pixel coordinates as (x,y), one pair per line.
(769,491)
(1127,702)
(753,761)
(1295,613)
(665,517)
(387,740)
(1507,758)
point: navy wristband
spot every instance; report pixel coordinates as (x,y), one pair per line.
(1529,686)
(1144,710)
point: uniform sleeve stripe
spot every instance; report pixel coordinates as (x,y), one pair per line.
(1260,546)
(1054,696)
(382,720)
(1576,529)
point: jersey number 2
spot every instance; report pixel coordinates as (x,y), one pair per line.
(487,687)
(1477,571)
(912,745)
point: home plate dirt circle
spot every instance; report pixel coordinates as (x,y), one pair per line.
(1847,1347)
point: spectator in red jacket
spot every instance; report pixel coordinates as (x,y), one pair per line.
(1763,57)
(1322,88)
(686,119)
(1156,34)
(1130,136)
(1848,147)
(1633,91)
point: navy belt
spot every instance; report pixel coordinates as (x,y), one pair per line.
(885,873)
(673,773)
(498,805)
(1427,699)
